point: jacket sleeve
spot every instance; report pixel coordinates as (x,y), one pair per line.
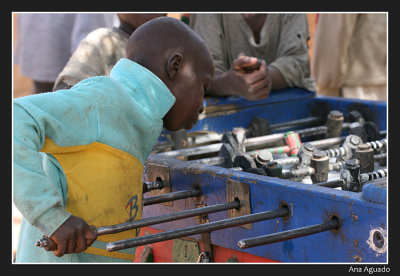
(292,54)
(36,186)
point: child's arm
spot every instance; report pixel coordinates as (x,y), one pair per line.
(39,188)
(36,197)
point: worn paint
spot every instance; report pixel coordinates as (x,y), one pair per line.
(217,110)
(313,204)
(377,240)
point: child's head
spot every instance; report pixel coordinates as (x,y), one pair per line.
(137,19)
(180,58)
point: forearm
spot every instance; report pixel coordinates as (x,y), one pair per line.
(278,82)
(224,84)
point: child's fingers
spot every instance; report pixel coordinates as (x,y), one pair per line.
(61,248)
(71,245)
(81,243)
(90,235)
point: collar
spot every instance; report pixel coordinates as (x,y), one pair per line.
(144,86)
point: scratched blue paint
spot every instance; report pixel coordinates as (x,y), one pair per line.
(359,213)
(374,193)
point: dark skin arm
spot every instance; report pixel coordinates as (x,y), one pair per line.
(73,236)
(252,85)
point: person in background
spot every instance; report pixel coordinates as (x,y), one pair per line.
(350,55)
(45,41)
(256,53)
(79,153)
(98,52)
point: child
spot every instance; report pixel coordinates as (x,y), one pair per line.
(98,52)
(79,153)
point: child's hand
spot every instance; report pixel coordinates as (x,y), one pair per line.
(73,236)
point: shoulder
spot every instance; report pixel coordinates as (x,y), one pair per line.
(292,18)
(101,33)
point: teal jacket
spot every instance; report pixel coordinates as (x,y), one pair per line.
(106,125)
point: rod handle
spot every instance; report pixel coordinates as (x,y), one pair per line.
(49,245)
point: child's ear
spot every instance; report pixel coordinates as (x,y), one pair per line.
(173,65)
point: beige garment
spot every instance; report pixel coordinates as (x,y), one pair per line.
(95,55)
(350,55)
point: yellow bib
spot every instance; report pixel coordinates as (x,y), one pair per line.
(104,188)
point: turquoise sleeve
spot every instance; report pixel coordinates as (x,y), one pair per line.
(36,196)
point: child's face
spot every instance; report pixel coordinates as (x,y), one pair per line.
(189,89)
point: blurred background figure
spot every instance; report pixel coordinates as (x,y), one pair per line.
(277,42)
(349,55)
(45,41)
(100,50)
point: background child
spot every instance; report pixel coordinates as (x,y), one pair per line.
(98,52)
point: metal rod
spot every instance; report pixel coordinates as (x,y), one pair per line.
(193,151)
(170,196)
(290,234)
(365,177)
(254,141)
(332,184)
(377,144)
(218,160)
(165,218)
(49,245)
(296,123)
(380,156)
(216,137)
(210,161)
(197,229)
(327,142)
(251,142)
(156,185)
(302,172)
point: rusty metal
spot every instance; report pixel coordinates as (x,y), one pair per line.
(197,229)
(289,234)
(155,185)
(171,196)
(158,173)
(320,164)
(365,155)
(49,245)
(239,191)
(334,124)
(167,217)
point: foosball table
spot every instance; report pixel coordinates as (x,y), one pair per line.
(292,178)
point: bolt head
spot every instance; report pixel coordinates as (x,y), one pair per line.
(319,154)
(350,163)
(264,156)
(355,140)
(336,114)
(309,146)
